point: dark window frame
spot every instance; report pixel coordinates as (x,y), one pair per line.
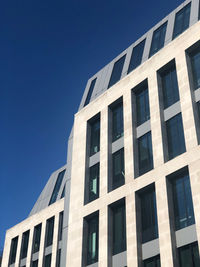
(158,39)
(13,250)
(184,23)
(117,71)
(24,244)
(118,179)
(136,56)
(57,187)
(90,91)
(49,231)
(117,119)
(37,238)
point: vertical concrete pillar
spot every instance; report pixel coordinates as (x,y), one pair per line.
(55,240)
(103,237)
(28,259)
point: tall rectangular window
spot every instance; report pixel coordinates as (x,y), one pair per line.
(60,227)
(36,238)
(158,39)
(47,260)
(142,104)
(175,136)
(136,56)
(182,20)
(170,89)
(117,121)
(91,239)
(94,136)
(87,101)
(152,262)
(34,263)
(117,71)
(57,187)
(94,182)
(189,255)
(118,169)
(182,199)
(195,64)
(145,155)
(63,192)
(49,232)
(24,247)
(149,216)
(13,250)
(58,258)
(118,227)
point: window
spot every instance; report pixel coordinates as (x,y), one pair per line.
(182,200)
(145,154)
(91,239)
(49,232)
(58,258)
(60,228)
(182,20)
(142,104)
(57,187)
(152,262)
(170,89)
(36,238)
(63,192)
(34,263)
(175,136)
(94,182)
(117,71)
(94,136)
(87,101)
(118,226)
(24,248)
(149,216)
(158,39)
(189,255)
(118,169)
(47,260)
(136,56)
(195,64)
(13,250)
(117,121)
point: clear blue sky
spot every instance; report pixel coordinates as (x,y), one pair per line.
(48,50)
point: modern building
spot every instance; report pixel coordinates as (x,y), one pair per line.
(129,194)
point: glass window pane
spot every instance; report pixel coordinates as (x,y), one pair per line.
(13,250)
(63,192)
(95,137)
(24,248)
(47,261)
(195,255)
(117,71)
(175,136)
(94,182)
(145,154)
(158,39)
(49,231)
(117,122)
(136,56)
(37,235)
(189,255)
(34,263)
(118,168)
(57,187)
(182,20)
(90,91)
(170,87)
(195,63)
(142,105)
(60,229)
(92,240)
(152,262)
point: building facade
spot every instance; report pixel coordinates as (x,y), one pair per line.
(129,194)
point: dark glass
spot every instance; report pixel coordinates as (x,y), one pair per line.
(158,39)
(24,248)
(117,122)
(57,187)
(49,232)
(95,137)
(142,105)
(182,199)
(58,258)
(63,192)
(94,182)
(182,20)
(170,87)
(189,255)
(92,240)
(119,229)
(37,235)
(60,228)
(195,62)
(145,154)
(149,216)
(90,92)
(47,261)
(13,250)
(175,136)
(136,56)
(34,263)
(153,262)
(118,169)
(117,71)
